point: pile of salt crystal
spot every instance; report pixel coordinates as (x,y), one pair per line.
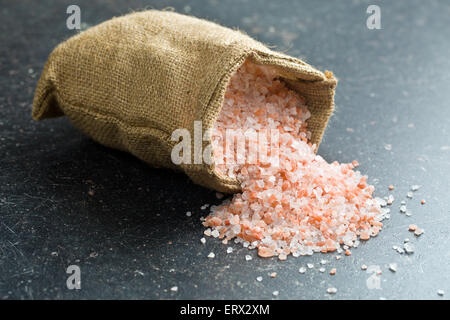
(301,205)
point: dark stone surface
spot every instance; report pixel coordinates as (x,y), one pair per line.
(131,237)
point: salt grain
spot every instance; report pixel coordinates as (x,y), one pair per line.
(211,255)
(259,279)
(276,293)
(203,240)
(229,250)
(331,290)
(215,233)
(393,267)
(174,289)
(248,257)
(441,292)
(409,248)
(302,270)
(390,199)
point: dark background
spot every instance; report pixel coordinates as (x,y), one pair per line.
(66,200)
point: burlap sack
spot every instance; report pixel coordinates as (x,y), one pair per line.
(131,81)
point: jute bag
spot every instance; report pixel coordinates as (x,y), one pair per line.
(131,81)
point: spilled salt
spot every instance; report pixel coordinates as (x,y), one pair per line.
(292,200)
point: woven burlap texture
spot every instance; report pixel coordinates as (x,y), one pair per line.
(131,81)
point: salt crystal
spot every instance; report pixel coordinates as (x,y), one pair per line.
(323,261)
(409,248)
(276,293)
(331,290)
(203,240)
(248,257)
(302,270)
(415,187)
(322,269)
(188,213)
(310,265)
(174,289)
(402,209)
(364,267)
(229,250)
(211,255)
(409,195)
(215,233)
(440,292)
(259,279)
(390,199)
(282,256)
(393,267)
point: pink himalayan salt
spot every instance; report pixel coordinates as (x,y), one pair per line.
(304,204)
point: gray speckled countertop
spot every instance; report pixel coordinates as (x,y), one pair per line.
(66,200)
